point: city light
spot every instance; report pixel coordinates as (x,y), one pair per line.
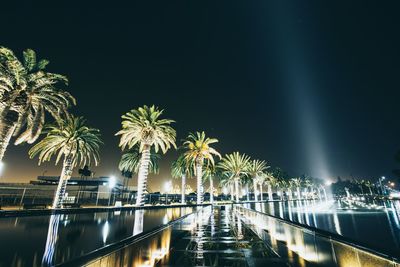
(225,190)
(168,186)
(112,182)
(328,183)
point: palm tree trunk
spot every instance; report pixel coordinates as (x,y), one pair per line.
(211,190)
(255,190)
(247,192)
(370,191)
(298,193)
(142,176)
(199,173)
(232,192)
(261,192)
(183,188)
(237,189)
(6,133)
(270,197)
(62,183)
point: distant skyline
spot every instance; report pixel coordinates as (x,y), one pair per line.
(311,87)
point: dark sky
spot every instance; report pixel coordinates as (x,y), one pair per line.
(310,86)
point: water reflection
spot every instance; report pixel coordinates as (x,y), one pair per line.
(50,240)
(52,236)
(351,218)
(303,247)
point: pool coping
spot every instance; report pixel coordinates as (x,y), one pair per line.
(40,212)
(334,237)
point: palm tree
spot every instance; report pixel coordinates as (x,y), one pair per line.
(27,92)
(130,163)
(143,127)
(235,166)
(181,168)
(210,172)
(271,181)
(198,152)
(297,182)
(72,141)
(256,170)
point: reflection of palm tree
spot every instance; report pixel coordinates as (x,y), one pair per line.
(138,224)
(52,236)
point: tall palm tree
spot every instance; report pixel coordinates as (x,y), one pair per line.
(235,166)
(144,127)
(271,181)
(256,170)
(297,182)
(72,141)
(27,92)
(129,163)
(198,151)
(181,168)
(210,173)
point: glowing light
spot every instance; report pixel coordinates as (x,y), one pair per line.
(328,183)
(105,232)
(225,191)
(168,186)
(112,182)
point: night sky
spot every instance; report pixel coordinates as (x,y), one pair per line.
(310,86)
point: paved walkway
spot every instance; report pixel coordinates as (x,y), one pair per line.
(220,239)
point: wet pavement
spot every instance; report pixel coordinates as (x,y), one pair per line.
(219,238)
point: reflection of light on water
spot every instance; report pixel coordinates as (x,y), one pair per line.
(105,232)
(52,236)
(138,224)
(336,223)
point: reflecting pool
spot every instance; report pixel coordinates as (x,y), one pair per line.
(374,224)
(48,240)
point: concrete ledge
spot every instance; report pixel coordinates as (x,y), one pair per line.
(35,212)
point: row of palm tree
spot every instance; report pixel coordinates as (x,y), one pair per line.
(28,92)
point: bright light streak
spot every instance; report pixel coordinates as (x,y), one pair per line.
(328,183)
(105,232)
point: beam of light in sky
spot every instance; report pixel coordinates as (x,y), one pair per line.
(300,84)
